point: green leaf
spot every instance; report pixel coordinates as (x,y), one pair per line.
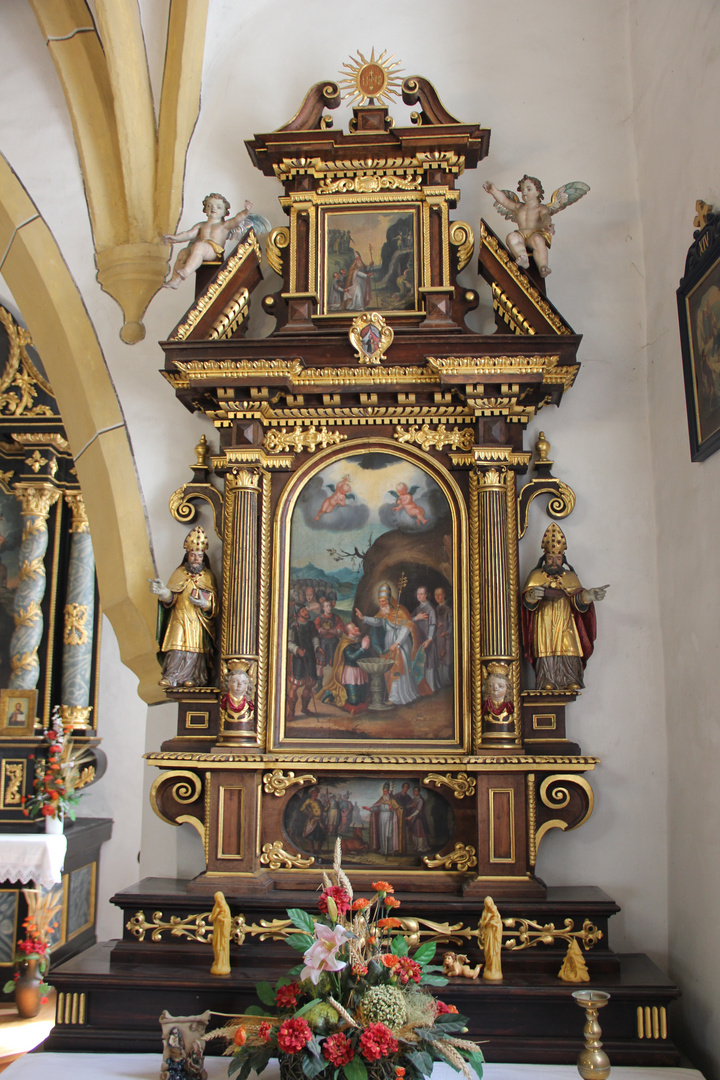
(433,980)
(301,919)
(422,1061)
(9,987)
(450,1022)
(475,1059)
(425,953)
(355,1069)
(304,1009)
(255,1010)
(299,942)
(266,993)
(312,1066)
(399,946)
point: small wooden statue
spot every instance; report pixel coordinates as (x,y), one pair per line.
(558,618)
(456,964)
(534,228)
(221,919)
(574,969)
(183,1055)
(497,695)
(491,925)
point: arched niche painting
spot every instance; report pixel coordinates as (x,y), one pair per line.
(371,613)
(381,821)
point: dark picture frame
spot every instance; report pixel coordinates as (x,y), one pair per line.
(698,298)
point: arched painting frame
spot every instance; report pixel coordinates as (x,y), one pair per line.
(361,531)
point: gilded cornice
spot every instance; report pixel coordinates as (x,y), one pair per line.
(475,763)
(488,240)
(213,290)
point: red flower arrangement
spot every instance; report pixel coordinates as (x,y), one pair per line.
(377,1041)
(358,1002)
(58,775)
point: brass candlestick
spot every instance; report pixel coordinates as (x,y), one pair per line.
(592,1063)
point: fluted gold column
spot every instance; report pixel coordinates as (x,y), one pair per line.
(241,544)
(79,612)
(494,489)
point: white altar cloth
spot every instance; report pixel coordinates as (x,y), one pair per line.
(147,1067)
(28,857)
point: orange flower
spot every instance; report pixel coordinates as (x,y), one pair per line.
(399,1072)
(389,960)
(360,904)
(382,886)
(240,1036)
(390,901)
(391,921)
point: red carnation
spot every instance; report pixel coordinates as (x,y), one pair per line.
(338,1050)
(338,894)
(293,1035)
(264,1031)
(408,969)
(286,997)
(377,1041)
(441,1008)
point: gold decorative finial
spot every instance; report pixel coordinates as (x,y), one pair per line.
(373,80)
(702,209)
(201,453)
(543,448)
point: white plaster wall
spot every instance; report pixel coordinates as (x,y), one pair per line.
(676,61)
(553,84)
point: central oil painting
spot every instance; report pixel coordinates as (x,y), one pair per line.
(370,605)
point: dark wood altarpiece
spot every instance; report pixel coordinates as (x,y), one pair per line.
(372,441)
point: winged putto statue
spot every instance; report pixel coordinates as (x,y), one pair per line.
(532,217)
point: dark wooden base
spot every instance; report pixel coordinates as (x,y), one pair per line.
(529,1018)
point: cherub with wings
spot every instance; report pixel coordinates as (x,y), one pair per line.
(532,217)
(406,502)
(340,494)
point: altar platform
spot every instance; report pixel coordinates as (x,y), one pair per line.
(147,1067)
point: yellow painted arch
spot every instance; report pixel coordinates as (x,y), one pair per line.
(64,336)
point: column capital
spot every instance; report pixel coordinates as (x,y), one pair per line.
(36,499)
(76,503)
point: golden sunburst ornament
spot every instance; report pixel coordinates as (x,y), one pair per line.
(373,80)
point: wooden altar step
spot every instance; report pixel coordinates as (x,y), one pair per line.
(160,925)
(113,1007)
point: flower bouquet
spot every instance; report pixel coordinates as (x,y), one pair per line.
(58,776)
(32,960)
(358,1005)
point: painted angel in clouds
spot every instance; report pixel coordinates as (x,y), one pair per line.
(340,493)
(406,502)
(532,216)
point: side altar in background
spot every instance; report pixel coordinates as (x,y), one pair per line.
(49,647)
(353,666)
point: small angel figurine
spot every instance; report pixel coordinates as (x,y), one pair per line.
(207,238)
(532,217)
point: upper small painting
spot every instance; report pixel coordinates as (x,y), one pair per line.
(372,609)
(370,260)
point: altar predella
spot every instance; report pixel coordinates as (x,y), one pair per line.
(358,662)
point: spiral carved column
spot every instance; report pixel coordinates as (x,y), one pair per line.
(35,503)
(500,704)
(78,619)
(239,637)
